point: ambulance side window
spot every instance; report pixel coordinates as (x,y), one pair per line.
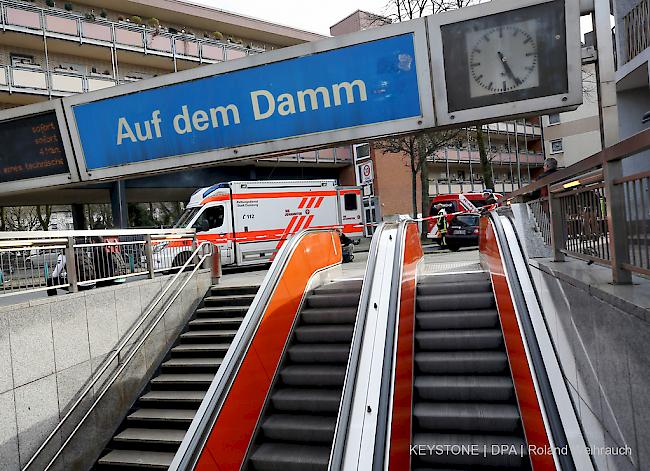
(350,202)
(211,218)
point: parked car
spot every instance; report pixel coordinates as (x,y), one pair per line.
(463,231)
(40,258)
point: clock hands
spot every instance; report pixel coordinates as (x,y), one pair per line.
(507,68)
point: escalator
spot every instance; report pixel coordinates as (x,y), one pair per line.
(296,429)
(463,390)
(155,426)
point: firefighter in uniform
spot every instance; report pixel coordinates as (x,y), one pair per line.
(442,224)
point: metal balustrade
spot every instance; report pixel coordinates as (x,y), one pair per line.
(595,212)
(60,24)
(636,30)
(34,79)
(42,260)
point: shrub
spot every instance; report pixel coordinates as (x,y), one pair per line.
(68,6)
(154,22)
(217,35)
(136,19)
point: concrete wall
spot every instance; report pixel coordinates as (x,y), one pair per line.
(49,348)
(604,349)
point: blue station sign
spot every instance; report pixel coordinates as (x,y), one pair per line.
(344,88)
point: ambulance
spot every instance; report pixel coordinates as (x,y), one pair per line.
(250,220)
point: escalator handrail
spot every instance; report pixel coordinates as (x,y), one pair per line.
(552,413)
(384,405)
(342,423)
(194,441)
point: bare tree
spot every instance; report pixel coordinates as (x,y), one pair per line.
(44,216)
(486,169)
(417,148)
(20,218)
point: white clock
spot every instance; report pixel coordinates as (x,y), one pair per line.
(503,58)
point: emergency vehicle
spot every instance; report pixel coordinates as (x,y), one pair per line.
(249,221)
(455,203)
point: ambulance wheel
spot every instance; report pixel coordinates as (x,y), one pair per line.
(180,259)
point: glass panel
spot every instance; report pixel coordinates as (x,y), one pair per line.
(235,54)
(95,84)
(159,43)
(187,47)
(67,83)
(29,79)
(213,52)
(28,19)
(344,154)
(3,76)
(95,31)
(128,37)
(309,156)
(61,25)
(326,155)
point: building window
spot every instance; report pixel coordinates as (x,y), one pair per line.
(21,59)
(556,146)
(350,202)
(554,118)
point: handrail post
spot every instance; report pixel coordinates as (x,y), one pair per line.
(616,222)
(216,265)
(557,226)
(71,265)
(148,249)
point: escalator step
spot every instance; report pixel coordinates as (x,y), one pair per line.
(201,349)
(491,451)
(471,417)
(151,436)
(455,287)
(289,457)
(173,396)
(479,319)
(454,278)
(183,379)
(217,290)
(211,334)
(299,400)
(454,302)
(212,322)
(465,388)
(137,459)
(313,375)
(340,315)
(461,362)
(230,300)
(192,362)
(162,415)
(324,333)
(221,311)
(299,428)
(340,287)
(333,301)
(320,353)
(477,339)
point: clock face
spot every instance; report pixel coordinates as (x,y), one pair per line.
(503,59)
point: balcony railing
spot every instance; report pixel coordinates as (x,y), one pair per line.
(509,127)
(15,16)
(636,28)
(465,156)
(33,79)
(339,155)
(438,187)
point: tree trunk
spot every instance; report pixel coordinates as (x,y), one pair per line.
(424,182)
(414,191)
(486,171)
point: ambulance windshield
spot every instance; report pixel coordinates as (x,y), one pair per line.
(185,218)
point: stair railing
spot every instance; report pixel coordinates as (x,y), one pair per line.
(204,250)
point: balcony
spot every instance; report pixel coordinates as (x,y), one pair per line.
(334,156)
(36,80)
(442,186)
(463,156)
(70,26)
(509,127)
(636,31)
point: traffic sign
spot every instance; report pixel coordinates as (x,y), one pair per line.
(366,173)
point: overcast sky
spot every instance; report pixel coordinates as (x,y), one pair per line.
(306,14)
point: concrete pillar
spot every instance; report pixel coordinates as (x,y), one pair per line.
(118,205)
(78,217)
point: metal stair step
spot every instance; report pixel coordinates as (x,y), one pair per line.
(453,278)
(221,311)
(217,290)
(462,362)
(299,428)
(313,375)
(339,315)
(201,348)
(150,436)
(465,388)
(324,333)
(208,322)
(477,319)
(173,396)
(470,417)
(229,300)
(333,301)
(339,287)
(188,378)
(319,353)
(192,362)
(137,458)
(472,339)
(162,415)
(290,457)
(307,400)
(208,334)
(455,302)
(455,287)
